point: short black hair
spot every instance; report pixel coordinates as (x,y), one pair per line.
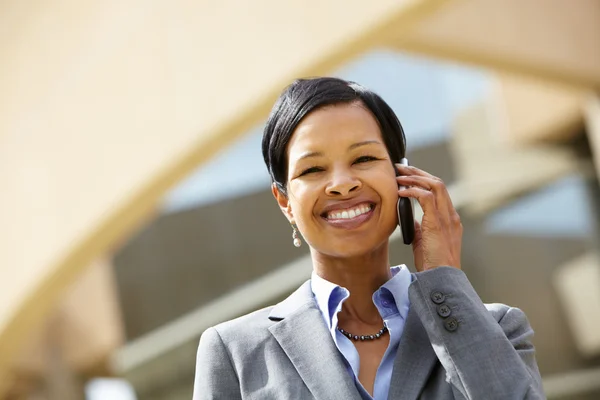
(306,95)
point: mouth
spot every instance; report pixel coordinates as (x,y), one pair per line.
(349,213)
(349,218)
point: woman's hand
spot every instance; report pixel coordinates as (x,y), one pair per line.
(438,238)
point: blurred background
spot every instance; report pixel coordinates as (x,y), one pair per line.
(135,208)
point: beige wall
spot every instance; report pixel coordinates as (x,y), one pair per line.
(552,39)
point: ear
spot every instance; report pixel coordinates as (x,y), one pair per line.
(283,202)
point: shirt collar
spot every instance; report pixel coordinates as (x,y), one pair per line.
(395,291)
(330,297)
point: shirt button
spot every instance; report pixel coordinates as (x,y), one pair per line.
(451,324)
(386,303)
(444,311)
(438,297)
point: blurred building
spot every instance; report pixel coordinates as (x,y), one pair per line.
(137,210)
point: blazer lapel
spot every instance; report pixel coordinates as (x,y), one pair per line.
(414,360)
(303,336)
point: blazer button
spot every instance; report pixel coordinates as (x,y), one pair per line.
(451,324)
(438,297)
(444,311)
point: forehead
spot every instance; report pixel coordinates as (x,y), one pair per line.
(342,124)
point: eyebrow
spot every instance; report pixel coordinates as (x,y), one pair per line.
(351,147)
(359,144)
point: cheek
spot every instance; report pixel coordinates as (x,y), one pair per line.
(388,190)
(392,189)
(302,200)
(386,183)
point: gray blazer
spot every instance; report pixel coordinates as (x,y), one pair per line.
(480,351)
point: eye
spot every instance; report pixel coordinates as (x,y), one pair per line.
(364,159)
(311,170)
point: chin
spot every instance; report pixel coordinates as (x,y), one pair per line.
(348,246)
(349,249)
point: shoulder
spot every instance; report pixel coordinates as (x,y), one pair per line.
(256,319)
(222,347)
(512,320)
(499,311)
(252,329)
(241,331)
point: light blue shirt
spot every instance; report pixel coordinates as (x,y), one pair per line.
(391,300)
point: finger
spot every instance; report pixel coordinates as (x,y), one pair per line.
(425,198)
(435,184)
(453,218)
(430,182)
(437,187)
(412,170)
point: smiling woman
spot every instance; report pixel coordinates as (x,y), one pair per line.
(360,329)
(337,164)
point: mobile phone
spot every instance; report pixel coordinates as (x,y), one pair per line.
(406,218)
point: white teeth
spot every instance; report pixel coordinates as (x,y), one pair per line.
(347,214)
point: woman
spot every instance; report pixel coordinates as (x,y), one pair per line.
(360,329)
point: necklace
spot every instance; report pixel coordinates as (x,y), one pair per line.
(379,334)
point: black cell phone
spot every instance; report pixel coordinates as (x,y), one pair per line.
(406,218)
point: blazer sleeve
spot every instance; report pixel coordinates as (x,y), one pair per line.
(215,376)
(485,357)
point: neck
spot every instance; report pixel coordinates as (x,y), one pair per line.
(362,276)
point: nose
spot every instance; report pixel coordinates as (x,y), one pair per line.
(342,184)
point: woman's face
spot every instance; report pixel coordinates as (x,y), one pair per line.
(342,191)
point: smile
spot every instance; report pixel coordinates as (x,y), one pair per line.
(350,218)
(349,213)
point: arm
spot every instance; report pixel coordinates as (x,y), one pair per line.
(215,375)
(483,358)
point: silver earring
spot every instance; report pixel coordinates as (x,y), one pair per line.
(297,241)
